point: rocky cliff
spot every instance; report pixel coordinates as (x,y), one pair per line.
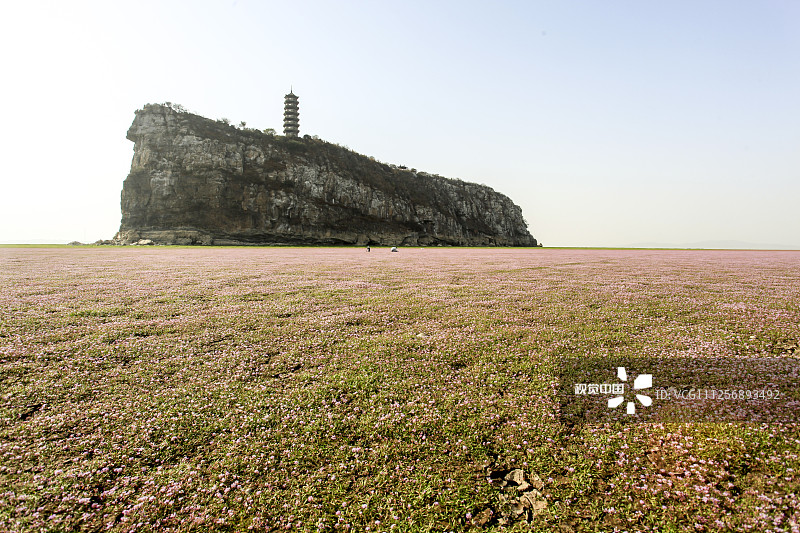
(200,181)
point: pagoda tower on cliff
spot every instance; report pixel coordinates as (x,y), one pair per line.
(291,115)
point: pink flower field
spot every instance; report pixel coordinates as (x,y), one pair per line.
(330,389)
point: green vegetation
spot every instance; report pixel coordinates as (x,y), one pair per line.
(219,389)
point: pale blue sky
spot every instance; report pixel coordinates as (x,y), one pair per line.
(609,123)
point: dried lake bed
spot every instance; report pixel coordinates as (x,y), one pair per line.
(236,389)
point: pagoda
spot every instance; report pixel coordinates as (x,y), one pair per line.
(291,115)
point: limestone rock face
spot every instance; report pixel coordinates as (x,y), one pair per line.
(199,181)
